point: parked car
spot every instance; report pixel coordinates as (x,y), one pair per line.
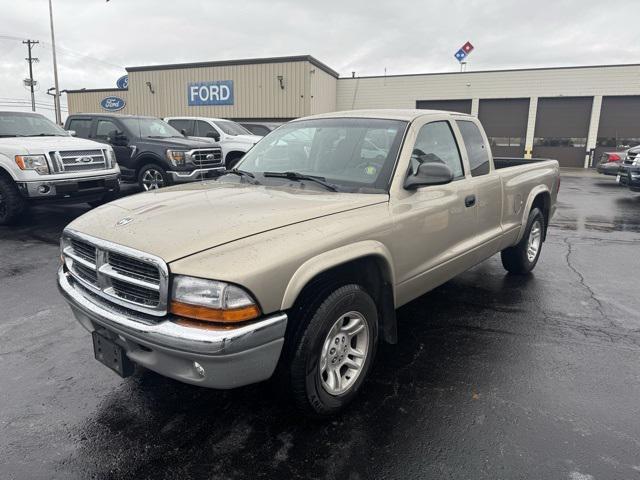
(150,152)
(298,259)
(610,163)
(233,138)
(261,128)
(40,162)
(629,172)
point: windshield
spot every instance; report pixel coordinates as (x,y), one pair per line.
(232,128)
(150,128)
(18,124)
(352,154)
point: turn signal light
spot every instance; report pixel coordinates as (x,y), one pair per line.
(207,314)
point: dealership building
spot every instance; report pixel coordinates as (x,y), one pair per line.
(568,113)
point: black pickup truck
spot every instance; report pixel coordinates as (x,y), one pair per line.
(629,172)
(148,150)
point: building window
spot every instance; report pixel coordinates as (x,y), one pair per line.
(506,141)
(560,142)
(618,142)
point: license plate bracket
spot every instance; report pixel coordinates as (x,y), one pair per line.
(112,355)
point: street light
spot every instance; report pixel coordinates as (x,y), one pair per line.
(56,95)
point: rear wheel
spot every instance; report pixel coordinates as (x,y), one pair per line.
(152,177)
(334,350)
(12,204)
(522,258)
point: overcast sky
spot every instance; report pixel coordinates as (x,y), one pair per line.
(97,39)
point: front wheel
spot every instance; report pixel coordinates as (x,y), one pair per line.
(334,351)
(152,177)
(12,204)
(522,257)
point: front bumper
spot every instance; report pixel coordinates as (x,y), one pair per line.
(194,175)
(633,178)
(70,188)
(230,358)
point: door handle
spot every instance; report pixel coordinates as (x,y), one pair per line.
(469,201)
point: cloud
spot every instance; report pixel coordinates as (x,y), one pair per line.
(97,39)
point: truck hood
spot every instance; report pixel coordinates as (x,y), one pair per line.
(251,139)
(187,143)
(179,221)
(36,145)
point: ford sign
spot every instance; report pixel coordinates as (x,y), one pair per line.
(219,92)
(112,104)
(123,82)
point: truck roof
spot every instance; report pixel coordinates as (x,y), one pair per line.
(384,113)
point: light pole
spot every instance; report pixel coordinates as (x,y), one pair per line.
(56,96)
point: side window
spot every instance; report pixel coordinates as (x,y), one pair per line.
(105,128)
(203,128)
(476,149)
(436,143)
(186,125)
(82,127)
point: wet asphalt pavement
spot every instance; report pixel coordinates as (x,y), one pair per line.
(494,377)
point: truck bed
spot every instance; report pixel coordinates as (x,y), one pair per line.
(506,162)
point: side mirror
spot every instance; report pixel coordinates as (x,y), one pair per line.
(183,132)
(72,133)
(214,135)
(430,173)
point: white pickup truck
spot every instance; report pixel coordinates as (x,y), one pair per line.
(297,260)
(41,162)
(233,138)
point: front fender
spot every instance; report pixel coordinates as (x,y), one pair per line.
(333,258)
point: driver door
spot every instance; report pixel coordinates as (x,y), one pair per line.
(433,225)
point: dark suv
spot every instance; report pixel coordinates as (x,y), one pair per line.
(149,151)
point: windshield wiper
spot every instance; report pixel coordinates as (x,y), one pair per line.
(241,174)
(10,135)
(301,177)
(44,135)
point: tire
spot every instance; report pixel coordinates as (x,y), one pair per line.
(233,159)
(152,177)
(12,204)
(327,342)
(522,257)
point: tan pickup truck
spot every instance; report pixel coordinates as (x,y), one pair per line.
(296,261)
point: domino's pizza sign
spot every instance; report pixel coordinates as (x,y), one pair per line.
(112,104)
(219,92)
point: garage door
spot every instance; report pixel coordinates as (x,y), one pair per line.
(505,121)
(462,106)
(562,126)
(619,126)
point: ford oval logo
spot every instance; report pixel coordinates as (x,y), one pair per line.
(84,160)
(112,104)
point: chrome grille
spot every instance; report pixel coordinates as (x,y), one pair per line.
(211,157)
(631,156)
(119,274)
(78,160)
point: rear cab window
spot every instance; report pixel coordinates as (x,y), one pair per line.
(182,124)
(476,149)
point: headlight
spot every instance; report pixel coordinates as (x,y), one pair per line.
(176,157)
(111,158)
(33,162)
(636,161)
(211,301)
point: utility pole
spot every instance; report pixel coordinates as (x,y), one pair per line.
(31,83)
(56,98)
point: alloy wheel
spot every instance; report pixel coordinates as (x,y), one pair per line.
(344,353)
(152,179)
(535,238)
